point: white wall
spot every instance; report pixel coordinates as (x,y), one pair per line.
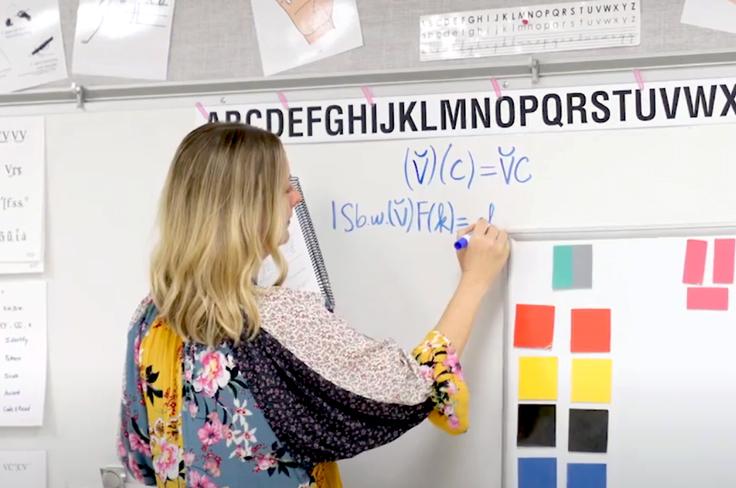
(104,172)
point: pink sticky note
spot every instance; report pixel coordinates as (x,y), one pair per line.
(368,94)
(694,262)
(496,87)
(704,298)
(202,110)
(723,261)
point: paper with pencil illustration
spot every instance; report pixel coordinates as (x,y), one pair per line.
(31,49)
(123,38)
(296,32)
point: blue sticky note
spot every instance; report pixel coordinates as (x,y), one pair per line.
(537,473)
(586,475)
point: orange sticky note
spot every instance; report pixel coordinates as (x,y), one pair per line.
(534,326)
(538,378)
(591,330)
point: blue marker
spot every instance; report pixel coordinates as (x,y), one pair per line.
(463,242)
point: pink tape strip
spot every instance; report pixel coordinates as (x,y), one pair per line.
(284,101)
(694,262)
(639,79)
(368,94)
(496,87)
(723,261)
(202,110)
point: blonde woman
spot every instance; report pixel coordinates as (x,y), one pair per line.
(229,384)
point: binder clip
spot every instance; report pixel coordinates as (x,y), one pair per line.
(113,477)
(534,68)
(78,91)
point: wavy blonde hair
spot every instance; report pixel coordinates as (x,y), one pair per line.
(221,213)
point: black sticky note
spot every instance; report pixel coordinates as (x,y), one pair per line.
(537,424)
(588,431)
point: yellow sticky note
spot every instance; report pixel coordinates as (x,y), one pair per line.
(591,380)
(537,378)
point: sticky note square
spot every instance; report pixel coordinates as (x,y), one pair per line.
(588,431)
(591,330)
(537,425)
(582,267)
(572,267)
(537,378)
(562,268)
(586,475)
(534,326)
(591,380)
(537,472)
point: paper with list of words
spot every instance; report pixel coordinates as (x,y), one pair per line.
(22,169)
(22,352)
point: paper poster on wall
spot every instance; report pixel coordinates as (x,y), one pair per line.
(21,194)
(711,14)
(22,353)
(123,38)
(23,469)
(530,29)
(31,51)
(296,32)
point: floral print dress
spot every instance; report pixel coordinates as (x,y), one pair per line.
(278,410)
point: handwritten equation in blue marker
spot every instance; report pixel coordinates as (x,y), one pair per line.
(405,214)
(450,164)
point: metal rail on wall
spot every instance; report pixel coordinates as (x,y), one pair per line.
(533,70)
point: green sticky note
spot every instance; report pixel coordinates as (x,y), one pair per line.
(562,275)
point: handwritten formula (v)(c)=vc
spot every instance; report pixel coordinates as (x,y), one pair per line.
(451,165)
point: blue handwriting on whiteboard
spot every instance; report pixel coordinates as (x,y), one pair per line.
(449,164)
(407,214)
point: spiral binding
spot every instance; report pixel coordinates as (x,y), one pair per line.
(315,254)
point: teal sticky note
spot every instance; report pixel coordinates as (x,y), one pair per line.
(562,275)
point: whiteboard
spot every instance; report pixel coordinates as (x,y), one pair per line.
(670,418)
(395,283)
(105,171)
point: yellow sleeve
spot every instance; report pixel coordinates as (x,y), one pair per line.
(438,362)
(326,475)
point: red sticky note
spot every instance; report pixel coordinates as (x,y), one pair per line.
(723,261)
(591,330)
(694,262)
(704,298)
(534,326)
